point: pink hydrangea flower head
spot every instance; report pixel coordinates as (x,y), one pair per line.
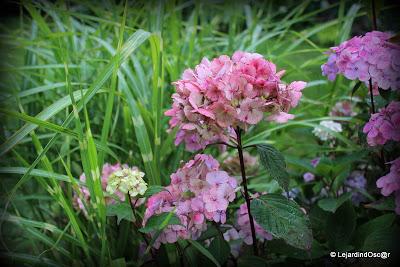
(199,191)
(384,125)
(366,57)
(390,183)
(224,93)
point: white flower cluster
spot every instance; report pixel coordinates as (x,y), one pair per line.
(127,181)
(323,134)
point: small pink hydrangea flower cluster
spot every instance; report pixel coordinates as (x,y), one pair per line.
(107,170)
(309,176)
(225,93)
(199,191)
(366,57)
(384,125)
(391,183)
(343,109)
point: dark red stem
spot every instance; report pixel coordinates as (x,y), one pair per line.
(374,24)
(371,96)
(246,192)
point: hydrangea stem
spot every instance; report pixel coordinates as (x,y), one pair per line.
(246,192)
(374,27)
(372,96)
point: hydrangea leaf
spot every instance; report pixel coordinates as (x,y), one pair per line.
(284,219)
(204,251)
(122,211)
(159,221)
(340,226)
(251,261)
(386,203)
(332,204)
(365,230)
(153,189)
(275,164)
(220,249)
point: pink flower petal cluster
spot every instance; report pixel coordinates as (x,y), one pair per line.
(243,224)
(343,109)
(391,183)
(366,57)
(384,125)
(308,177)
(219,95)
(199,191)
(107,170)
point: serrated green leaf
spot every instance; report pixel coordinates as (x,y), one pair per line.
(275,164)
(157,222)
(123,211)
(153,189)
(284,219)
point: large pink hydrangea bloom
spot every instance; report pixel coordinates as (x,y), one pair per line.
(390,183)
(107,170)
(221,94)
(199,191)
(366,57)
(384,125)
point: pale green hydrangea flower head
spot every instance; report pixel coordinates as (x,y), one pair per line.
(127,181)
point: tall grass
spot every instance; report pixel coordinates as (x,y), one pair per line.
(85,83)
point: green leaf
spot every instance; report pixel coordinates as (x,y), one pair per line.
(363,231)
(332,204)
(284,219)
(204,251)
(386,239)
(38,173)
(153,189)
(251,261)
(280,247)
(386,203)
(340,226)
(220,249)
(156,221)
(120,262)
(123,211)
(209,233)
(275,164)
